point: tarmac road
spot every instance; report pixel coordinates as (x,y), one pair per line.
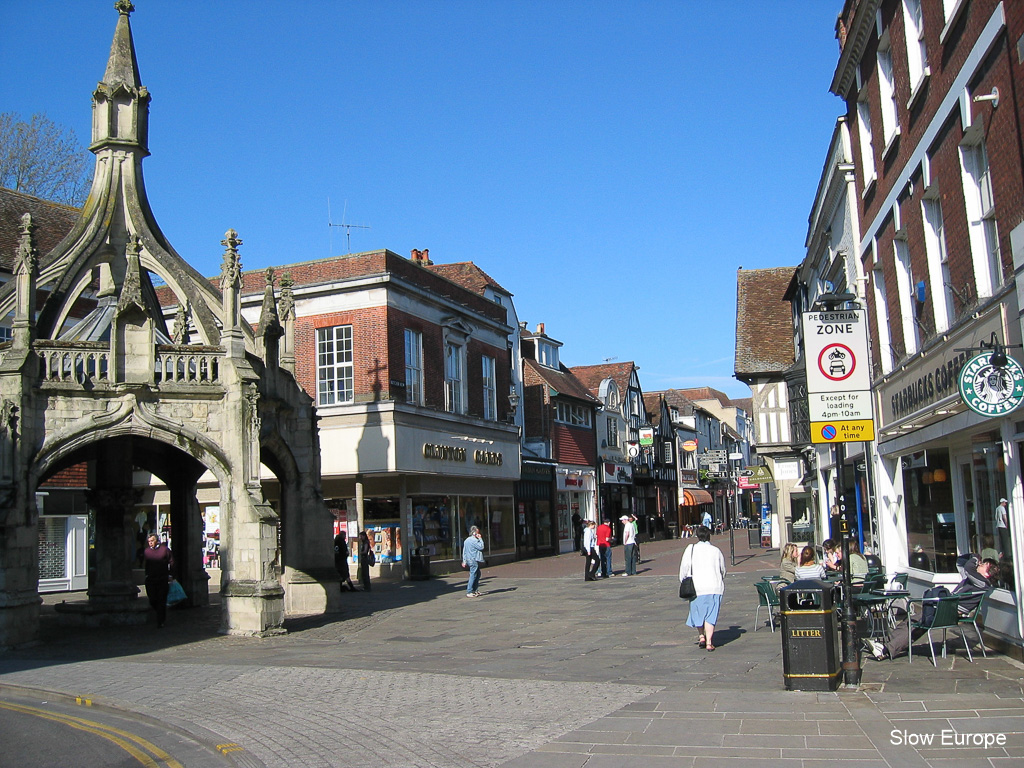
(543,670)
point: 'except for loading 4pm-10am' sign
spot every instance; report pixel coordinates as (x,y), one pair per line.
(838,379)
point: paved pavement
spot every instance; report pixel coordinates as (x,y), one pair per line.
(543,670)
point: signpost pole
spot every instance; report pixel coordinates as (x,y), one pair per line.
(851,658)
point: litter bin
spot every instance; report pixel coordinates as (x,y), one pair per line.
(754,537)
(672,531)
(419,564)
(810,636)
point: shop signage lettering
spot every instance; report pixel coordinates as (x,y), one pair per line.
(443,452)
(487,457)
(927,389)
(989,389)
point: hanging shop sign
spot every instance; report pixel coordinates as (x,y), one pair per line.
(690,445)
(991,390)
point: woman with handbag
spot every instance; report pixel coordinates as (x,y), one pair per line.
(704,563)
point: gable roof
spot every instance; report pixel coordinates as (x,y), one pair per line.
(696,394)
(53,221)
(562,381)
(591,376)
(652,404)
(764,322)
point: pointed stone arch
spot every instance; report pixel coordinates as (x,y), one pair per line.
(109,382)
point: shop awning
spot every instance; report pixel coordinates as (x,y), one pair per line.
(692,497)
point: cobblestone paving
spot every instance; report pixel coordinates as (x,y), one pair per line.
(542,670)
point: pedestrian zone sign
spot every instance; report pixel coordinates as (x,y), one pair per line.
(838,376)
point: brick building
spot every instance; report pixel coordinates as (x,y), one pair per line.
(559,422)
(410,372)
(931,92)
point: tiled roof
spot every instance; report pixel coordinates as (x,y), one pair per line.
(696,394)
(468,275)
(592,375)
(53,221)
(764,322)
(676,399)
(562,381)
(652,404)
(745,404)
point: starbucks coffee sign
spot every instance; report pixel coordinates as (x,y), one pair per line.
(991,390)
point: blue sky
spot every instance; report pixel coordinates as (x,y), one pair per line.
(612,164)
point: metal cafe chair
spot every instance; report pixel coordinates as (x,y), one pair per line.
(944,618)
(768,598)
(972,619)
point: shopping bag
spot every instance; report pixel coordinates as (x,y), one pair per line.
(175,593)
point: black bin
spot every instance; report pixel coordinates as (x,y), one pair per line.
(419,564)
(810,636)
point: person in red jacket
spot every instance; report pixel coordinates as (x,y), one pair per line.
(604,545)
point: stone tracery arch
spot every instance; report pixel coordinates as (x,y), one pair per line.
(116,383)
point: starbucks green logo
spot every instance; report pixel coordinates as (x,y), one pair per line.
(989,389)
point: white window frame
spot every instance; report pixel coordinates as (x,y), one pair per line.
(979,204)
(867,149)
(938,263)
(887,93)
(905,293)
(573,414)
(882,320)
(547,354)
(413,367)
(6,334)
(917,52)
(613,430)
(488,368)
(454,377)
(335,373)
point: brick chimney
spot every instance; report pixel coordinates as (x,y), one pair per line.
(540,329)
(421,257)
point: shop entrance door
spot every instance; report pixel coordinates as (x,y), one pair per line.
(965,496)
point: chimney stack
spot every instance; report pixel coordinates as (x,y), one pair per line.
(540,329)
(421,257)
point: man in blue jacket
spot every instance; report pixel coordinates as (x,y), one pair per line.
(473,558)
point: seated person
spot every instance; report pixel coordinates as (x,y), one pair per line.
(809,568)
(858,563)
(979,578)
(787,568)
(833,558)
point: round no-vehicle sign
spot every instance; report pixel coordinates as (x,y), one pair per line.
(836,345)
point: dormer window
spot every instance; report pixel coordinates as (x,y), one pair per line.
(547,354)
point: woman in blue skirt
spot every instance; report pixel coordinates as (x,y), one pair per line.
(705,563)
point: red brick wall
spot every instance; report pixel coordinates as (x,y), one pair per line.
(574,445)
(76,476)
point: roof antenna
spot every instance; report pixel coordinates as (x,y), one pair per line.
(348,228)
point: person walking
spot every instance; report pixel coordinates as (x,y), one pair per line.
(341,562)
(577,532)
(629,545)
(705,564)
(366,559)
(591,550)
(1003,530)
(706,520)
(473,558)
(604,546)
(158,561)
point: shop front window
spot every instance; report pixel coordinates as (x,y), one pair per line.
(432,526)
(382,520)
(988,522)
(931,529)
(502,524)
(803,519)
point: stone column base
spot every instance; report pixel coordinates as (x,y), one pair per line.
(252,608)
(312,592)
(19,619)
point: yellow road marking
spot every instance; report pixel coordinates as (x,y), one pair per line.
(121,738)
(225,748)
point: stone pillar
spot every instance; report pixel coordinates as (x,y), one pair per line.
(187,529)
(113,586)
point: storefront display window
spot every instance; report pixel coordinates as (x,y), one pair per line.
(502,524)
(931,529)
(987,524)
(803,519)
(432,526)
